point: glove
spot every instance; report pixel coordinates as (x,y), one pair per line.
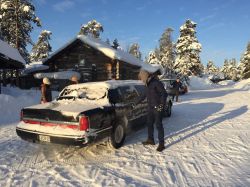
(132,106)
(159,108)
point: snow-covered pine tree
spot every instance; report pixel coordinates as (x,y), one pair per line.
(135,50)
(107,41)
(92,28)
(152,58)
(244,65)
(188,48)
(211,68)
(166,49)
(42,48)
(115,44)
(233,71)
(225,69)
(16,18)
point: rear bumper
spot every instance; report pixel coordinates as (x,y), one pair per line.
(33,136)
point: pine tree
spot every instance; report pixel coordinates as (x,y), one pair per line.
(233,72)
(166,49)
(135,50)
(92,28)
(16,18)
(42,48)
(115,44)
(211,68)
(107,41)
(225,69)
(152,58)
(244,66)
(188,49)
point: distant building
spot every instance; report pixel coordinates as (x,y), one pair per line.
(91,60)
(94,60)
(10,63)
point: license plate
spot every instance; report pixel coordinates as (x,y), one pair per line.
(44,138)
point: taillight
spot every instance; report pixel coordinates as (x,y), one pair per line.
(21,115)
(84,123)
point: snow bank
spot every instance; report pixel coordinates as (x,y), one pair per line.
(226,83)
(12,100)
(244,85)
(197,83)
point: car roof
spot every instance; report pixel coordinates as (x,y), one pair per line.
(112,84)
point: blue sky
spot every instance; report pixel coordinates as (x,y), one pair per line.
(223,25)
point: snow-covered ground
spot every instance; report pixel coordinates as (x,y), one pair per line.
(207,141)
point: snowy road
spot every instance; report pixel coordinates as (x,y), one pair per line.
(207,142)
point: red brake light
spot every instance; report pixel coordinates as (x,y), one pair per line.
(84,123)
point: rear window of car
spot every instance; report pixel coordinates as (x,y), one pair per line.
(90,93)
(128,93)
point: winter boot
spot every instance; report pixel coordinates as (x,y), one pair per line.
(149,142)
(160,147)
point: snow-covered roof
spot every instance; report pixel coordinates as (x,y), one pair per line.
(10,52)
(108,51)
(58,75)
(33,67)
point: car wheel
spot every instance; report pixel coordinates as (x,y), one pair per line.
(118,135)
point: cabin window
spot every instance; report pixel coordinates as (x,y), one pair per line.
(82,62)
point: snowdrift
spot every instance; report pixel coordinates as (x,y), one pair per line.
(12,100)
(226,83)
(243,85)
(197,83)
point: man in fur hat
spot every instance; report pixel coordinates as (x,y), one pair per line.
(156,97)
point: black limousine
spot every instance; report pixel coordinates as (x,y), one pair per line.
(87,112)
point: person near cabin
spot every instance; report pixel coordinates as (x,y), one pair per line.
(177,85)
(156,97)
(74,79)
(46,94)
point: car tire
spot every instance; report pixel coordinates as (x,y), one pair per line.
(118,134)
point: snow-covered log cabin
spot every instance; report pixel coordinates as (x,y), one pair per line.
(92,60)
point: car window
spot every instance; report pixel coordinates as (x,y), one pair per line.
(128,93)
(90,93)
(167,84)
(141,89)
(114,96)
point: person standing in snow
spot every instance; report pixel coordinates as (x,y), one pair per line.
(74,79)
(176,85)
(46,94)
(156,97)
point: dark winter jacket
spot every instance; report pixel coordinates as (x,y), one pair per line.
(156,94)
(46,93)
(177,85)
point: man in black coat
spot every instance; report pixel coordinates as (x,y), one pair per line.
(176,86)
(156,97)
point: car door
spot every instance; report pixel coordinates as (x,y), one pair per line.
(129,98)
